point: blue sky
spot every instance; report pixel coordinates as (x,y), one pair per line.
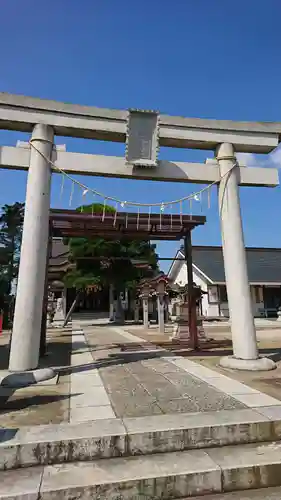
(196,58)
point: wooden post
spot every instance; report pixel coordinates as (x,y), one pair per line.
(192,317)
(72,307)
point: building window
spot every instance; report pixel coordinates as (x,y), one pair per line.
(213,297)
(222,293)
(257,294)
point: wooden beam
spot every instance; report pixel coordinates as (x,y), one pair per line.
(113,166)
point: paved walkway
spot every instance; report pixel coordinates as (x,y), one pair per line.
(147,381)
(108,372)
(88,395)
(140,387)
(119,398)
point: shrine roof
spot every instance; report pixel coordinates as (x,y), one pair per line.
(263,264)
(146,226)
(59,252)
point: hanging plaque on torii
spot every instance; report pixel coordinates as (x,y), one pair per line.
(142,138)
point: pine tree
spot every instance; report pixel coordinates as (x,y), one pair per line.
(11,223)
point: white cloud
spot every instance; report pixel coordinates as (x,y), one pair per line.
(272,160)
(248,159)
(275,157)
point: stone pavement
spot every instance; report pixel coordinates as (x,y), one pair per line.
(148,381)
(43,403)
(98,379)
(88,396)
(126,419)
(268,382)
(157,386)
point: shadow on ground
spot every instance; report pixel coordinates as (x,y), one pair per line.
(58,352)
(23,402)
(129,356)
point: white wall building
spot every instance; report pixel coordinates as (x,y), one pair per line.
(264,274)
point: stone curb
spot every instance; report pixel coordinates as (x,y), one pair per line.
(250,397)
(261,494)
(57,443)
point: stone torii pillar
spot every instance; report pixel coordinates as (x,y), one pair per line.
(245,352)
(25,341)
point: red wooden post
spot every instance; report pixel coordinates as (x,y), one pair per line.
(192,316)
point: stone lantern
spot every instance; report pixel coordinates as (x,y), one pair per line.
(58,286)
(137,309)
(182,326)
(51,308)
(144,295)
(160,287)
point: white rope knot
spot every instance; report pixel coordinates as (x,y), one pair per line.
(39,139)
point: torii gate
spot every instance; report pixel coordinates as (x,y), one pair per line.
(142,131)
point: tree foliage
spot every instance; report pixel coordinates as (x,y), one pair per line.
(112,259)
(4,290)
(11,224)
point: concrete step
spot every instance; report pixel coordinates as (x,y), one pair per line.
(261,494)
(89,314)
(57,443)
(166,475)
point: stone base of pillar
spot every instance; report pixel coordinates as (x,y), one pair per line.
(181,332)
(259,364)
(59,316)
(59,312)
(181,327)
(56,324)
(24,379)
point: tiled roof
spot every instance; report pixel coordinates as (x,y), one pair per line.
(264,264)
(59,252)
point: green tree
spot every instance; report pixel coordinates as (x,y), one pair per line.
(11,224)
(3,278)
(99,261)
(3,290)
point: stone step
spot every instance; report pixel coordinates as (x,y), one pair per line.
(166,475)
(261,494)
(89,314)
(57,443)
